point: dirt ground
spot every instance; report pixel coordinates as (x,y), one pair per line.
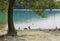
(33,36)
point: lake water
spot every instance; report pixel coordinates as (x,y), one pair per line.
(24,18)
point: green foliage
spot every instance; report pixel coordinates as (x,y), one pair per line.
(40,5)
(32,4)
(3,5)
(40,12)
(58,2)
(53,4)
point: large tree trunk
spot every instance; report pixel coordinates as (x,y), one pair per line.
(11,29)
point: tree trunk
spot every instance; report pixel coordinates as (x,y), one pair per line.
(11,29)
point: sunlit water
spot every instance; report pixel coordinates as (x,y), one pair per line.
(25,18)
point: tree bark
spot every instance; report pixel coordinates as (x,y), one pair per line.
(11,29)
